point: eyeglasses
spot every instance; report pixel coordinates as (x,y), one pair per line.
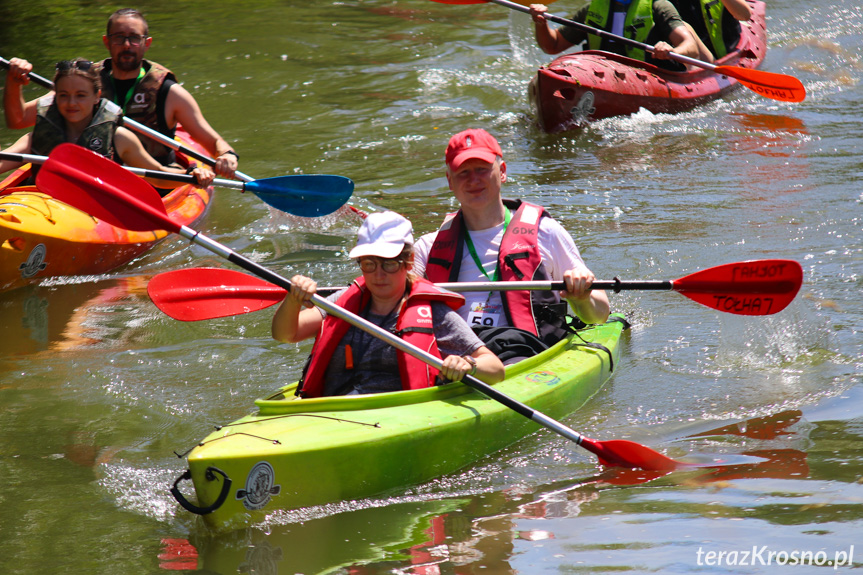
(65,65)
(119,39)
(370,265)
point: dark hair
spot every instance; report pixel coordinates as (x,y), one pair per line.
(132,12)
(78,67)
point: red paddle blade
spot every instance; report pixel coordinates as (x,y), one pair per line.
(103,189)
(781,87)
(756,287)
(624,453)
(207,293)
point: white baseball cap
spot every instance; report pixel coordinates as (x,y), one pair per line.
(383,234)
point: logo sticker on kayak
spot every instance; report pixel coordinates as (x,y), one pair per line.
(546,377)
(35,262)
(584,109)
(260,486)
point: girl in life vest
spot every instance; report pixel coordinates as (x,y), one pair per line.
(346,360)
(76,113)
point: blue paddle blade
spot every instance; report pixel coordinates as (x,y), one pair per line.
(306,195)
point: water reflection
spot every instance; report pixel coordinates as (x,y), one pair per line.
(781,142)
(321,545)
(40,319)
(492,531)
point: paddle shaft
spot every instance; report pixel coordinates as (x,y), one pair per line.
(391,339)
(614,285)
(187,178)
(760,287)
(142,129)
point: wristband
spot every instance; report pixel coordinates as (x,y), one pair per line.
(232,152)
(472,362)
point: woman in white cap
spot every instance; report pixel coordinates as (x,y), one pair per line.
(348,361)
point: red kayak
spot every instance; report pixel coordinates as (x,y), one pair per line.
(591,85)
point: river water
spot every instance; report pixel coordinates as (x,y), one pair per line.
(98,389)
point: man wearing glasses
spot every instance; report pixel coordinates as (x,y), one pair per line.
(147,92)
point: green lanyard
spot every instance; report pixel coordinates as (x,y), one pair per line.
(472,250)
(130,91)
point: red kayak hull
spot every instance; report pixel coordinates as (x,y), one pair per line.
(591,85)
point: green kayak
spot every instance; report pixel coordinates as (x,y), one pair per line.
(296,453)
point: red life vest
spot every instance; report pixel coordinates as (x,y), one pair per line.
(518,259)
(414,325)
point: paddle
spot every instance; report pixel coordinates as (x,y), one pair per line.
(306,195)
(780,87)
(268,194)
(759,287)
(136,206)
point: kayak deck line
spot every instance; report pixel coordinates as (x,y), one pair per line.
(274,441)
(340,420)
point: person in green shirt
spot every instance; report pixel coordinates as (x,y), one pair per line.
(715,23)
(653,22)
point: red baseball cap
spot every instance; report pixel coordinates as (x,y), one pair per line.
(475,143)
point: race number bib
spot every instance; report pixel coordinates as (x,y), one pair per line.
(484,314)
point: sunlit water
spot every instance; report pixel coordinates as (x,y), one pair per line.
(99,389)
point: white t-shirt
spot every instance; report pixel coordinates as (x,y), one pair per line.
(556,247)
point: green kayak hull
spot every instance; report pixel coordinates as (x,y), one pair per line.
(295,453)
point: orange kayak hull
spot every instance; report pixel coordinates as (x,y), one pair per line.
(41,237)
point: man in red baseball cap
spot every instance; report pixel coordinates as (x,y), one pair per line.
(491,239)
(471,144)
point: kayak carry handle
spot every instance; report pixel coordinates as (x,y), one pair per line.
(210,475)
